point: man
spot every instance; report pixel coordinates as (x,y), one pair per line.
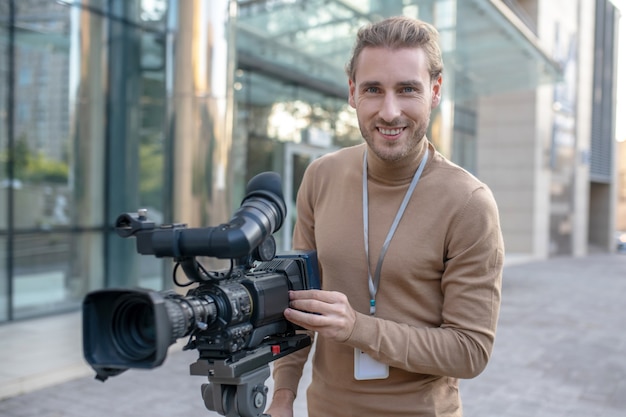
(409,246)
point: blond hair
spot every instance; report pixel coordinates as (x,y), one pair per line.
(396,33)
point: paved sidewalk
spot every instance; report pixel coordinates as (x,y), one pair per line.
(560,351)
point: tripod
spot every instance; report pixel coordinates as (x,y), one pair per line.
(244,396)
(236,385)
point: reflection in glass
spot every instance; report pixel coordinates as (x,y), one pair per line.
(63,128)
(42,273)
(4,279)
(41,122)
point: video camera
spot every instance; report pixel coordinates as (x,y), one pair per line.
(234,317)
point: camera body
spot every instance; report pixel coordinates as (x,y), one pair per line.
(226,319)
(233,318)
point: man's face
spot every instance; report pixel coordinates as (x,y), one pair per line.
(393,97)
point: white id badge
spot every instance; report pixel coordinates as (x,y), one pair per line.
(367,368)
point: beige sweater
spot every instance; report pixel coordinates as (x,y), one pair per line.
(439,294)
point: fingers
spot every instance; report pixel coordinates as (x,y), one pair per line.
(326,312)
(306,319)
(318,302)
(326,296)
(324,325)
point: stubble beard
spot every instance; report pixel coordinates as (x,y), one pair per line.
(393,152)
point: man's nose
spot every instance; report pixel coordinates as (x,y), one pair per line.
(390,108)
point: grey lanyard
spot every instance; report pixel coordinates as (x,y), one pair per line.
(373,283)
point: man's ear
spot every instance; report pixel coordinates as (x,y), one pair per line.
(351,90)
(436,92)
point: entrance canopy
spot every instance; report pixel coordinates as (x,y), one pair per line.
(306,43)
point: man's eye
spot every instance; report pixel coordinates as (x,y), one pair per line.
(408,89)
(371,90)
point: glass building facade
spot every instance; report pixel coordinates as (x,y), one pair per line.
(107,106)
(82,110)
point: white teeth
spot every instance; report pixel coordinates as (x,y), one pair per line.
(390,132)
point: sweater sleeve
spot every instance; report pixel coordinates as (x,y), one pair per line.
(288,370)
(471,286)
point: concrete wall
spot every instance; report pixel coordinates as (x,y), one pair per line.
(621,185)
(586,19)
(515,134)
(508,160)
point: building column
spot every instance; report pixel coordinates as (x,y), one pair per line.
(200,99)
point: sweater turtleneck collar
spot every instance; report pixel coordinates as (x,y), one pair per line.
(396,172)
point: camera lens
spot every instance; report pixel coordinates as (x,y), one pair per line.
(133,328)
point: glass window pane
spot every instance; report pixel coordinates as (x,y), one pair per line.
(41,122)
(151,129)
(136,144)
(4,183)
(4,280)
(4,72)
(63,58)
(53,271)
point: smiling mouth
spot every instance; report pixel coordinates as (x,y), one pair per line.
(390,132)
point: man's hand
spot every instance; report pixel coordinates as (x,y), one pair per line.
(327,312)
